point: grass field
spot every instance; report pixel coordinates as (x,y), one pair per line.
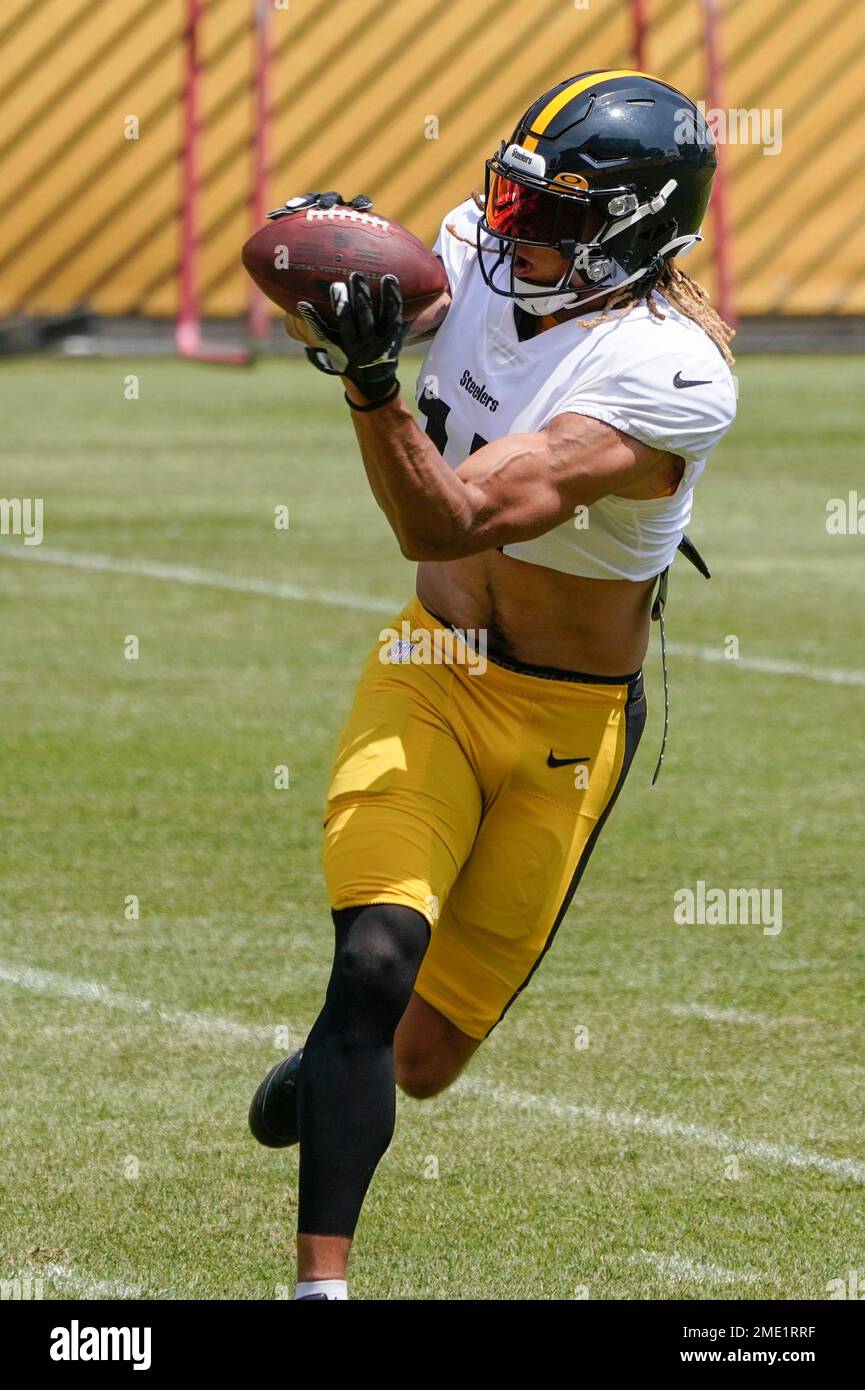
(709,1140)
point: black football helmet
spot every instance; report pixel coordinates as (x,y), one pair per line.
(612,169)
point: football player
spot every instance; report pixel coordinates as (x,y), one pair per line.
(574,388)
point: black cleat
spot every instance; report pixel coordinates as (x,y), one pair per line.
(273,1112)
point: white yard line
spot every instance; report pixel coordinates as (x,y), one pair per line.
(770,666)
(296,593)
(663,1127)
(680,1267)
(37,981)
(743,1016)
(188,574)
(82,1286)
(620,1121)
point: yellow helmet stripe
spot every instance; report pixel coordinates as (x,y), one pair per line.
(572,90)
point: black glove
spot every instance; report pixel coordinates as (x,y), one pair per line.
(363,346)
(321,200)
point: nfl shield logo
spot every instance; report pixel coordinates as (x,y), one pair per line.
(400,652)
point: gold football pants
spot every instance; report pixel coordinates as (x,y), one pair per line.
(473,792)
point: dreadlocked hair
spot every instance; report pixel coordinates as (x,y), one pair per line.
(685,294)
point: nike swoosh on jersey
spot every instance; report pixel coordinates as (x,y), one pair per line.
(680,382)
(553,761)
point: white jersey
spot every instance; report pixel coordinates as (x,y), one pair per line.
(662,381)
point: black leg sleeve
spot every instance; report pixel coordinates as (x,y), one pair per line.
(346,1100)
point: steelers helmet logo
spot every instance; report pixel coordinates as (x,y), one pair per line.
(575,182)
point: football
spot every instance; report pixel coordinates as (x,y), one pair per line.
(297,256)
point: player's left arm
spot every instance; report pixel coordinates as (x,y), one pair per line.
(513,489)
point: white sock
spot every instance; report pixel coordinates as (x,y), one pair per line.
(331,1288)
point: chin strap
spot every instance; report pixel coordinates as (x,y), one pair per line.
(690,552)
(575,299)
(679,246)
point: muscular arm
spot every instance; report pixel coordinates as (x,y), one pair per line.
(513,489)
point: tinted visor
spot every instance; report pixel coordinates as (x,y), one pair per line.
(521,213)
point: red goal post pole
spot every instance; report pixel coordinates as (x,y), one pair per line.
(187,330)
(715,84)
(639,33)
(188,336)
(258,311)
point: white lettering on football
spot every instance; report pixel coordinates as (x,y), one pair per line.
(347,214)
